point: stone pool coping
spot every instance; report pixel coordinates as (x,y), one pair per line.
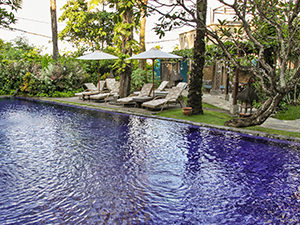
(97,106)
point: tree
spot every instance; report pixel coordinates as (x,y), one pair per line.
(274,50)
(142,63)
(84,27)
(6,12)
(127,16)
(54,28)
(126,21)
(193,13)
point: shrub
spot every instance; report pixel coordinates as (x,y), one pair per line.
(62,77)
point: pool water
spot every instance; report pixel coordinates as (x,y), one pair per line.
(69,165)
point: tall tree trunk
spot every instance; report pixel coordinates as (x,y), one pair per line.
(196,77)
(54,28)
(142,63)
(263,113)
(125,76)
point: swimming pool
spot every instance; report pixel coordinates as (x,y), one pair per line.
(68,165)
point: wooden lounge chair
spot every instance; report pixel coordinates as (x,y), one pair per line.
(173,96)
(113,88)
(181,85)
(144,93)
(160,88)
(108,83)
(91,88)
(88,94)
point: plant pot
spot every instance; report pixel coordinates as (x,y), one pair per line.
(187,111)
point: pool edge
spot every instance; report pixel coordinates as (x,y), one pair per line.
(238,130)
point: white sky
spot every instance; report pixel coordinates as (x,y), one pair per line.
(34,17)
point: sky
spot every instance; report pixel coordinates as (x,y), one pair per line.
(34,18)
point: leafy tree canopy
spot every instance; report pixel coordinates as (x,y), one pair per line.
(94,29)
(7,7)
(271,30)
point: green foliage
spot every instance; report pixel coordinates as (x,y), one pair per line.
(28,84)
(11,74)
(62,77)
(63,94)
(24,71)
(185,53)
(290,112)
(214,52)
(20,50)
(6,12)
(139,77)
(91,29)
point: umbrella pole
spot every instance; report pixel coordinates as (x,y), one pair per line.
(153,77)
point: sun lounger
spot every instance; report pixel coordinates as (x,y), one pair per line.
(162,85)
(91,88)
(144,93)
(160,88)
(181,85)
(173,96)
(110,83)
(88,94)
(113,87)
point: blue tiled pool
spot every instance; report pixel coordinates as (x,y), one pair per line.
(68,165)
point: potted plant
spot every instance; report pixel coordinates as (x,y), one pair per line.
(187,111)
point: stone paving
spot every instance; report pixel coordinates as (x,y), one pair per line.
(216,100)
(287,125)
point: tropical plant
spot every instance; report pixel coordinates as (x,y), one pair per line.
(127,16)
(24,71)
(140,76)
(62,77)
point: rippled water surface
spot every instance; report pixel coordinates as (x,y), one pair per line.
(67,165)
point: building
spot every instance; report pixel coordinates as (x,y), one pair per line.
(186,39)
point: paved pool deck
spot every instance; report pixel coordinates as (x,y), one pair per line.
(286,125)
(216,100)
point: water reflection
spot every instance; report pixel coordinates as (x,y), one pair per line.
(65,165)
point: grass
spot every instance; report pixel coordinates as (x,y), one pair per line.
(209,106)
(218,118)
(292,113)
(272,131)
(209,117)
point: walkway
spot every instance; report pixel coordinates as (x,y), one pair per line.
(286,125)
(216,100)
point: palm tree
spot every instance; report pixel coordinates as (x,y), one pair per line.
(54,28)
(142,63)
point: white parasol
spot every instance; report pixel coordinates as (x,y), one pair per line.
(154,54)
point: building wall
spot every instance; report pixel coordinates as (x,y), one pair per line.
(186,39)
